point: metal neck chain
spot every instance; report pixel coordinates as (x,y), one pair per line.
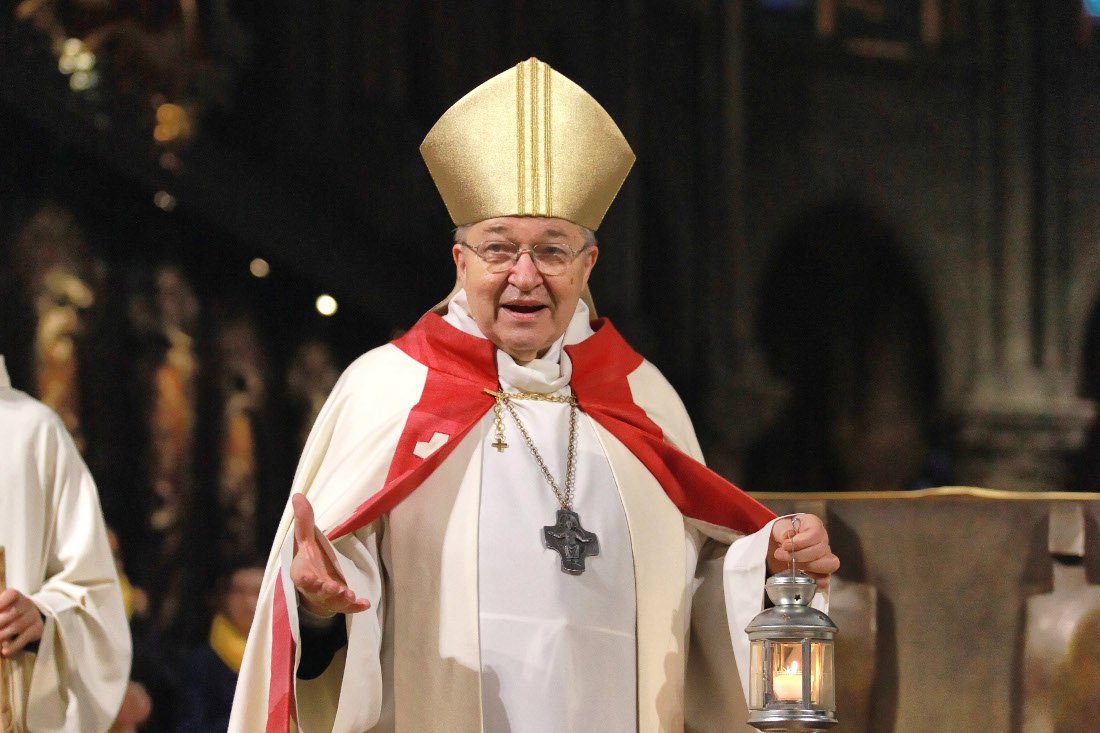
(504,402)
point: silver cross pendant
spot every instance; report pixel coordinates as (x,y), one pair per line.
(572,541)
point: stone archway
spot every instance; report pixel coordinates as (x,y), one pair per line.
(843,319)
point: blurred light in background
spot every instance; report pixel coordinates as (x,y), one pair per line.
(259,267)
(83,80)
(172,123)
(169,161)
(78,63)
(164,201)
(326,305)
(72,49)
(1092,7)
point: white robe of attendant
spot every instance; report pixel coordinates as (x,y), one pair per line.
(473,626)
(52,530)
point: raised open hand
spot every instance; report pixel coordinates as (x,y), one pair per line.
(321,587)
(809,542)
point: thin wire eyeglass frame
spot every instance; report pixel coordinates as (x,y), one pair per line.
(543,267)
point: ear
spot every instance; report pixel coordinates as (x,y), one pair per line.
(591,255)
(460,263)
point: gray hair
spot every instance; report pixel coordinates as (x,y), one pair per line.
(588,234)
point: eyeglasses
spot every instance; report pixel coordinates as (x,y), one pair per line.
(501,256)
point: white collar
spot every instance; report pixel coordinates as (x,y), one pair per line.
(5,380)
(545,375)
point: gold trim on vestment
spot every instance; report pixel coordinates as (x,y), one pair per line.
(969,492)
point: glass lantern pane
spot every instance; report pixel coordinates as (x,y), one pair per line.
(821,676)
(756,674)
(785,669)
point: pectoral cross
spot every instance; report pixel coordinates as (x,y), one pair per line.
(570,540)
(500,445)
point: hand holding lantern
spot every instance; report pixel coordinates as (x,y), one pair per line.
(792,685)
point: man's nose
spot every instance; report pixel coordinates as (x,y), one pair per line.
(524,273)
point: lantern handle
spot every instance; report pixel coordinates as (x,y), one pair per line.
(795,524)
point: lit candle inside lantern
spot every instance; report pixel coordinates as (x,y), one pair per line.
(787,684)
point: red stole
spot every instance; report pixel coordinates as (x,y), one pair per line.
(461,366)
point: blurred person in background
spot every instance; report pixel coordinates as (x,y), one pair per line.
(210,674)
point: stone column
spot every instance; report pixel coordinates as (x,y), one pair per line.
(745,397)
(1011,441)
(1022,415)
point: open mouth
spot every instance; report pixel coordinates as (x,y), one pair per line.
(524,307)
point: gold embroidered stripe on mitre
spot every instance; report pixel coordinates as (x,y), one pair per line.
(527,142)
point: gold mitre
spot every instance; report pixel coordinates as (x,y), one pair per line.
(528,142)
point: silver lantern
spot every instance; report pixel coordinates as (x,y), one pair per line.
(791,663)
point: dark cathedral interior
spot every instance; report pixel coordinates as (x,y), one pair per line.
(861,239)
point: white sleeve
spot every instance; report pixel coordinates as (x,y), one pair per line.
(347,696)
(345,460)
(83,661)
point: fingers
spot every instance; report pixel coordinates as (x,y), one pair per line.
(341,599)
(817,557)
(328,597)
(20,625)
(28,635)
(14,628)
(303,519)
(822,579)
(8,618)
(324,594)
(809,545)
(827,564)
(809,528)
(805,555)
(312,568)
(17,616)
(810,532)
(345,602)
(320,585)
(7,598)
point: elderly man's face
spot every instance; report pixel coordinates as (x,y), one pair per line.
(523,311)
